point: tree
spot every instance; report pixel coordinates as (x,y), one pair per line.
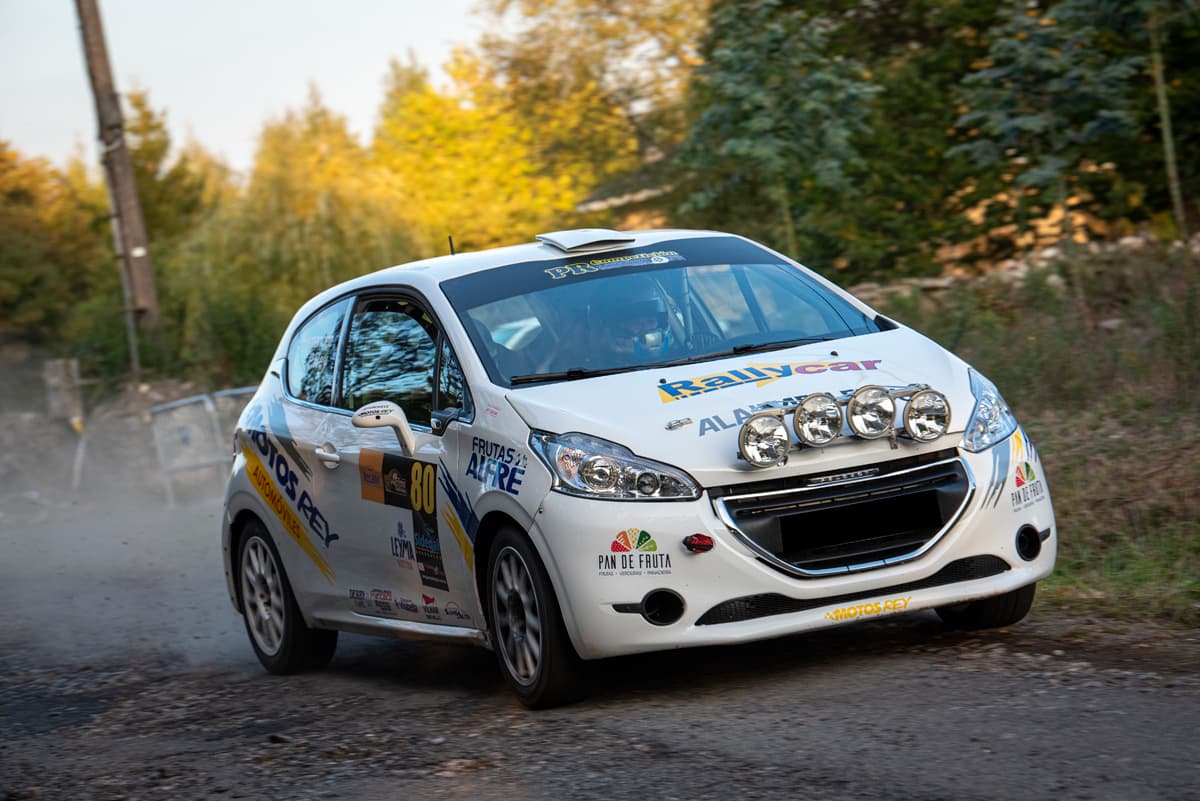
(601,83)
(174,188)
(51,243)
(781,116)
(463,164)
(1046,94)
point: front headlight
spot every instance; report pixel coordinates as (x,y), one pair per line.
(596,468)
(991,421)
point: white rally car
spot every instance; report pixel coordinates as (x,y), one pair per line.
(610,442)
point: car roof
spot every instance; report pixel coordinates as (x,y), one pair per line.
(426,273)
(577,242)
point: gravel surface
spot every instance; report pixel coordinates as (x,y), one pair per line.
(125,674)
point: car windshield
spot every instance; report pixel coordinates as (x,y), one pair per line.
(681,301)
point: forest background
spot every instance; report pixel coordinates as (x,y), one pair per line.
(873,140)
(869,138)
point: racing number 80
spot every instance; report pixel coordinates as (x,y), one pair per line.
(422,489)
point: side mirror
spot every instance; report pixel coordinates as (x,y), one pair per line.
(386,414)
(443,418)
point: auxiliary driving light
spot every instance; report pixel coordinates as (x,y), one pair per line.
(818,419)
(927,415)
(871,412)
(763,440)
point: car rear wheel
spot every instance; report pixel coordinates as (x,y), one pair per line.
(281,639)
(990,613)
(531,643)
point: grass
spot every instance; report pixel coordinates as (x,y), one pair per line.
(1107,383)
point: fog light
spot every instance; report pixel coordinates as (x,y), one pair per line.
(698,543)
(871,412)
(927,415)
(817,420)
(763,440)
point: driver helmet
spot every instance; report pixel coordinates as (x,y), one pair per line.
(631,316)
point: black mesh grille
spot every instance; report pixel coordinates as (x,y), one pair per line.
(852,525)
(752,606)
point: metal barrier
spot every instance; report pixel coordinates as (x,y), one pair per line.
(196,433)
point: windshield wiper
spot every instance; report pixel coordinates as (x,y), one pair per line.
(739,349)
(570,374)
(785,343)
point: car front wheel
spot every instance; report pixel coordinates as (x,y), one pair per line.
(990,613)
(532,647)
(281,639)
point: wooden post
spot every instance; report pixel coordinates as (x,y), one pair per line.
(129,229)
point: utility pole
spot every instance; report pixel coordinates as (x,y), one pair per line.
(129,230)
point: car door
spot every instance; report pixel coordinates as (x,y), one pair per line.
(283,436)
(401,558)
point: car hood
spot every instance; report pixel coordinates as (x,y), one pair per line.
(689,415)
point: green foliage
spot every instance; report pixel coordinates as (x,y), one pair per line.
(781,115)
(1112,410)
(49,221)
(826,129)
(1045,93)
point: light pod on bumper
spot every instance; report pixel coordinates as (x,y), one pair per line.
(818,419)
(871,412)
(927,415)
(763,440)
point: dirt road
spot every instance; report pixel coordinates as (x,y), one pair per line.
(125,674)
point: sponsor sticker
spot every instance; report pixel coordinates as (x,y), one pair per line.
(633,552)
(429,607)
(496,466)
(757,374)
(358,599)
(264,482)
(382,600)
(403,549)
(1028,487)
(455,611)
(288,480)
(868,609)
(408,484)
(613,263)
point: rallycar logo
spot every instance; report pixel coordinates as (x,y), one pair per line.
(758,374)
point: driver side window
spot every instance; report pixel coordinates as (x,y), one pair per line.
(391,351)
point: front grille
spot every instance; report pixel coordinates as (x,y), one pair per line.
(752,606)
(813,529)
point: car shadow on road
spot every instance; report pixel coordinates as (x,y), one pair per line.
(457,669)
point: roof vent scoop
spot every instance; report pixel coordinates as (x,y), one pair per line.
(582,240)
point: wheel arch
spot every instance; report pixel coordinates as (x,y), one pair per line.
(237,530)
(485,535)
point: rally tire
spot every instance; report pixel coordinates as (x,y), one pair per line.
(533,650)
(281,640)
(990,613)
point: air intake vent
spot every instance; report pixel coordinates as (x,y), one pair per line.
(583,240)
(752,606)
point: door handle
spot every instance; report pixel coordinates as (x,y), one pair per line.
(328,455)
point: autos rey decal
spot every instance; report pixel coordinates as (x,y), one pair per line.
(408,484)
(281,487)
(759,374)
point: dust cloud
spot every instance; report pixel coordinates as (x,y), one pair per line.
(96,561)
